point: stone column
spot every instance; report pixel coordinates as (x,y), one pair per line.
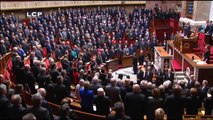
(211,12)
(201,10)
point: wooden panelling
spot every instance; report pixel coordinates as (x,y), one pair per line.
(14,5)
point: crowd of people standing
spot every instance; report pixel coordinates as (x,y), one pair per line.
(88,36)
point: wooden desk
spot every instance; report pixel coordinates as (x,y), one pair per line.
(113,64)
(127,61)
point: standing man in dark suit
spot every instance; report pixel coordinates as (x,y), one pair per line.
(149,74)
(208,103)
(169,76)
(119,113)
(40,112)
(135,104)
(191,82)
(113,91)
(16,110)
(153,102)
(159,77)
(60,89)
(140,75)
(207,26)
(95,84)
(187,30)
(210,32)
(193,102)
(44,102)
(135,64)
(102,102)
(207,54)
(4,102)
(29,78)
(174,105)
(141,58)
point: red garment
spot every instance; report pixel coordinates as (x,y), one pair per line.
(76,77)
(6,75)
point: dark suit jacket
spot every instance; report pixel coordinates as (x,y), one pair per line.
(46,105)
(210,30)
(135,65)
(174,107)
(30,80)
(153,104)
(190,84)
(149,76)
(94,87)
(61,92)
(4,103)
(171,77)
(187,31)
(118,117)
(208,104)
(193,103)
(159,78)
(113,92)
(207,56)
(140,75)
(15,112)
(102,104)
(40,113)
(135,105)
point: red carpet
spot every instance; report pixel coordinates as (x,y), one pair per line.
(176,65)
(211,55)
(211,50)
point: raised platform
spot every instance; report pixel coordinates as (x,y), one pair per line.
(197,67)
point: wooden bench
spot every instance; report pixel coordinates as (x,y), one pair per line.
(81,115)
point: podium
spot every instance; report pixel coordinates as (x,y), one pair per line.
(185,45)
(162,59)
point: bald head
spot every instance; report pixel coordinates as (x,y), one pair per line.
(95,80)
(113,81)
(159,114)
(136,88)
(42,91)
(100,92)
(16,99)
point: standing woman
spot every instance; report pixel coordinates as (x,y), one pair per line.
(207,54)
